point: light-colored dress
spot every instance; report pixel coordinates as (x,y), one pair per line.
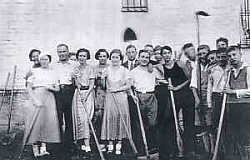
(116,106)
(45,127)
(80,119)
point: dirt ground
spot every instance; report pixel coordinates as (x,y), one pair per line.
(12,151)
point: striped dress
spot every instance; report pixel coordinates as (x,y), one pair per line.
(116,109)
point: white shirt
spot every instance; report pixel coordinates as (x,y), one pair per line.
(142,80)
(65,71)
(194,80)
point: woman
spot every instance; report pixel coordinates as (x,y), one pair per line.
(44,126)
(33,57)
(83,100)
(116,110)
(100,89)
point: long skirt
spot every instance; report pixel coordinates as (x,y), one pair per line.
(42,123)
(116,114)
(80,117)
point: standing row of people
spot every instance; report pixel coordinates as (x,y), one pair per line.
(110,95)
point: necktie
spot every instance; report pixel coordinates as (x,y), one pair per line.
(131,66)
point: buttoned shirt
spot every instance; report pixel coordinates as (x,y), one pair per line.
(65,71)
(216,82)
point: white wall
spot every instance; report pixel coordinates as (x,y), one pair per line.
(94,24)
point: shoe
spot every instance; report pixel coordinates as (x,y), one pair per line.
(83,147)
(110,148)
(103,148)
(43,150)
(87,149)
(35,150)
(118,147)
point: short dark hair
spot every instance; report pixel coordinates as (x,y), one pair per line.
(232,48)
(83,50)
(222,39)
(203,46)
(98,53)
(72,53)
(221,50)
(141,51)
(148,45)
(49,56)
(130,46)
(32,51)
(166,48)
(212,52)
(63,44)
(187,45)
(158,47)
(116,51)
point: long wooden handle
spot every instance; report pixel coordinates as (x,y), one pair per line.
(4,91)
(221,120)
(125,126)
(142,129)
(91,127)
(178,135)
(12,99)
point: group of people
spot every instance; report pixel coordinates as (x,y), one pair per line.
(131,100)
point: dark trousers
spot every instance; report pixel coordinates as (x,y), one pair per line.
(166,125)
(184,100)
(148,108)
(64,107)
(237,135)
(217,99)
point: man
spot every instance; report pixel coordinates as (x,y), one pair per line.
(157,53)
(189,52)
(64,68)
(149,48)
(211,58)
(144,87)
(221,43)
(195,85)
(131,54)
(217,77)
(203,118)
(238,111)
(184,100)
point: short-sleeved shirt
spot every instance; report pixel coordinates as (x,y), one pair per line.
(143,80)
(65,71)
(42,77)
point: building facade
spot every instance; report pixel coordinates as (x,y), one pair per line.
(42,24)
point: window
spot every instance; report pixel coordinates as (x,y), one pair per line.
(129,35)
(134,5)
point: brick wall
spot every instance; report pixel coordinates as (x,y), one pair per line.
(27,24)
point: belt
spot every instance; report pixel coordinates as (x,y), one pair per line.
(84,88)
(217,93)
(152,92)
(65,86)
